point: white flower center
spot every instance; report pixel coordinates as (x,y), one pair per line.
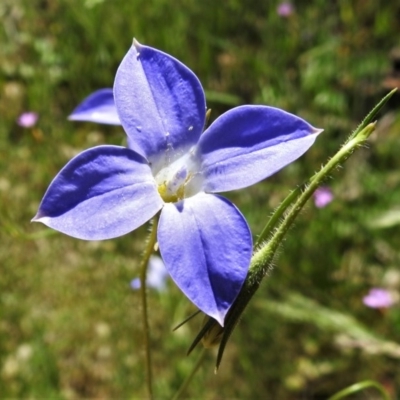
(180,179)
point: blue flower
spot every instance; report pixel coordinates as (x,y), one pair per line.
(173,167)
(98,107)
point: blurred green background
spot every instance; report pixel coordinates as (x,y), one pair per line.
(70,324)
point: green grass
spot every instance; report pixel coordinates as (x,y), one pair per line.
(70,325)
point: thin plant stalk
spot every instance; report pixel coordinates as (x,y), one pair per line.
(189,378)
(143,294)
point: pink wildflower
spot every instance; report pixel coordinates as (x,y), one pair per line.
(323,196)
(285,9)
(28,119)
(378,298)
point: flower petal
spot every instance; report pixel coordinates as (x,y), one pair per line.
(250,143)
(102,193)
(160,102)
(98,107)
(206,245)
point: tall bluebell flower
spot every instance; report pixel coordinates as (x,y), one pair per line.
(172,166)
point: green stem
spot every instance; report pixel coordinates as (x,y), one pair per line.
(357,387)
(143,294)
(264,256)
(372,114)
(279,212)
(277,215)
(342,155)
(189,378)
(272,235)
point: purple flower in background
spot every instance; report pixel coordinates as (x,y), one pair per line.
(28,119)
(378,298)
(285,9)
(156,275)
(323,196)
(172,166)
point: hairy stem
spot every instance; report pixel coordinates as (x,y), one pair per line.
(342,155)
(264,256)
(279,212)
